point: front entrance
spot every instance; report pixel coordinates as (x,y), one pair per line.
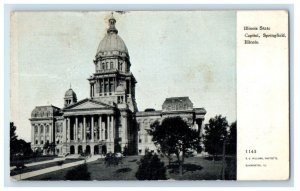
(104,149)
(72,150)
(96,149)
(79,149)
(88,149)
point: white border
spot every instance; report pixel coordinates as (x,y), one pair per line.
(4,87)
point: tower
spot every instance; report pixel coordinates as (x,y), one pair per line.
(70,97)
(113,83)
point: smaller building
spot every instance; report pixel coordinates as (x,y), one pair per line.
(45,126)
(172,107)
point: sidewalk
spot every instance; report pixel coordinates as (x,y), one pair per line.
(51,169)
(41,162)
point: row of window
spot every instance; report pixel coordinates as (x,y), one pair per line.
(110,65)
(42,114)
(41,142)
(41,129)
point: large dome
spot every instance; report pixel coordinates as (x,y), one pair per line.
(112,43)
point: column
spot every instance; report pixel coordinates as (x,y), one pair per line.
(38,134)
(84,129)
(124,126)
(129,87)
(94,86)
(92,129)
(113,127)
(73,126)
(65,130)
(76,129)
(100,127)
(103,87)
(108,128)
(32,135)
(44,135)
(109,88)
(51,133)
(103,125)
(115,84)
(69,130)
(91,90)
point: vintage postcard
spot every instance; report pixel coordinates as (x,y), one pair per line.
(153,95)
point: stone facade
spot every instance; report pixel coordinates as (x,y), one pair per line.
(107,121)
(175,106)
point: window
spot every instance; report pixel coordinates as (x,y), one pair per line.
(140,151)
(47,129)
(111,65)
(35,129)
(36,142)
(121,66)
(41,129)
(42,142)
(101,87)
(140,140)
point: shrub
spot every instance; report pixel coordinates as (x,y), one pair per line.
(111,159)
(79,173)
(151,168)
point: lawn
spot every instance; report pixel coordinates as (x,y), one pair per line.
(195,168)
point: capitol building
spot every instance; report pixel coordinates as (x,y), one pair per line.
(109,120)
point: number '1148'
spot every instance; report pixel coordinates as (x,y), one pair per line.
(250,150)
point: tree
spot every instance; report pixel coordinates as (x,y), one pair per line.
(215,134)
(151,168)
(13,139)
(111,159)
(231,140)
(174,136)
(18,147)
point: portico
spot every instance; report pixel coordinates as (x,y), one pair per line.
(88,126)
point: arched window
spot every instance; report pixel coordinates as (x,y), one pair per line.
(111,65)
(103,65)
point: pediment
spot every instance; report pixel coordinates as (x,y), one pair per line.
(88,104)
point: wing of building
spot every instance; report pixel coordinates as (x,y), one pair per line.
(107,121)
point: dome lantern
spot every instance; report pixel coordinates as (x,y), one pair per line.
(112,22)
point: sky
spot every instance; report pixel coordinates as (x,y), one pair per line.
(172,54)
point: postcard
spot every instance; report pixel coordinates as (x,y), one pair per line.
(149,95)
